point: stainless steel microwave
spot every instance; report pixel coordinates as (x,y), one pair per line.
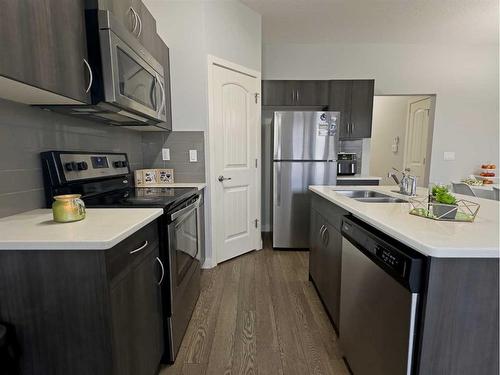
(126,83)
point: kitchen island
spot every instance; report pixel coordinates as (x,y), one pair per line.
(456,330)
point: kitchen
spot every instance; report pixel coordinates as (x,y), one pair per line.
(256,311)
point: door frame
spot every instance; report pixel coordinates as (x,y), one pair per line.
(211,238)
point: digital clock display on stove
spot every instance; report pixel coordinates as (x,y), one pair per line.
(99,162)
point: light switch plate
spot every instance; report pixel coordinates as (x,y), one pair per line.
(165,153)
(193,156)
(449,155)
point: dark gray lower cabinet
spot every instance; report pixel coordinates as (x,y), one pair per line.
(325,255)
(84,312)
(136,318)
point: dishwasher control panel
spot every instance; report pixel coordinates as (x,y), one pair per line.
(392,259)
(402,263)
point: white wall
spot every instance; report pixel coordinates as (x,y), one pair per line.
(464,78)
(193,30)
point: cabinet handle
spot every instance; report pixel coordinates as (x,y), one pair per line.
(162,270)
(352,127)
(326,237)
(91,77)
(146,243)
(321,230)
(293,96)
(298,96)
(140,25)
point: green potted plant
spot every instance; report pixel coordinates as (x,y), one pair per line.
(438,189)
(445,206)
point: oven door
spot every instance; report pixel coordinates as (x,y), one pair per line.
(184,248)
(132,78)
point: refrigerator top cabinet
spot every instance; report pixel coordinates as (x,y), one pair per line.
(305,136)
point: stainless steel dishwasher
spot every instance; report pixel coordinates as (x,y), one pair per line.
(379,301)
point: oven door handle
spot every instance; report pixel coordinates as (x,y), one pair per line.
(179,213)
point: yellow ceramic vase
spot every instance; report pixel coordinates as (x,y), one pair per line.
(68,208)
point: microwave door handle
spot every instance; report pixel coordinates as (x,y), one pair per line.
(140,25)
(162,105)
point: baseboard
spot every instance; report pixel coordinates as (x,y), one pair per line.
(208,263)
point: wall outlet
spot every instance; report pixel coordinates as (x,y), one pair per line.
(449,155)
(193,156)
(165,153)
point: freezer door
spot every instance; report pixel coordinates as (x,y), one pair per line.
(291,201)
(305,135)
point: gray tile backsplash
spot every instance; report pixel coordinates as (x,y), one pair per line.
(179,143)
(354,146)
(26,131)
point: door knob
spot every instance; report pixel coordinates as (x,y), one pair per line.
(222,178)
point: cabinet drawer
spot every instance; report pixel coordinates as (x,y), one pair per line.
(131,249)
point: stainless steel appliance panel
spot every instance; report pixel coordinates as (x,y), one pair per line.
(377,317)
(184,251)
(291,206)
(129,80)
(305,135)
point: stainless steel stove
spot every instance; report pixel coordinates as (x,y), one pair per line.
(104,180)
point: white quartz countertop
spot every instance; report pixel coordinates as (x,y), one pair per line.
(440,239)
(358,177)
(102,229)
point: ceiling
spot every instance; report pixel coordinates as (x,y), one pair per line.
(378,21)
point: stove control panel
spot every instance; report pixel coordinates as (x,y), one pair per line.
(81,166)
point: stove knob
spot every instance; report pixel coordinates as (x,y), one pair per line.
(120,164)
(82,166)
(70,166)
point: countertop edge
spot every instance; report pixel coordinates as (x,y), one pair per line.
(426,250)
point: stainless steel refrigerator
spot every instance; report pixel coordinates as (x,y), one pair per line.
(305,153)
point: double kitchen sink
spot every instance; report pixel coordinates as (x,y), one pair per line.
(369,196)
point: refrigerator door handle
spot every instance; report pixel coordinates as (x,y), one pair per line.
(277,136)
(277,184)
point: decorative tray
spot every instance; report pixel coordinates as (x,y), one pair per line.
(463,211)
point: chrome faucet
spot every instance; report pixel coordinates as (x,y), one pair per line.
(408,183)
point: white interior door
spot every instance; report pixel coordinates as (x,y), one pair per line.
(235,146)
(416,139)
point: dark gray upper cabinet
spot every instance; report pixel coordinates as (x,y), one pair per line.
(295,93)
(311,93)
(339,98)
(354,99)
(275,93)
(43,44)
(362,108)
(134,15)
(161,53)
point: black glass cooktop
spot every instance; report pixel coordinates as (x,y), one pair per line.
(141,197)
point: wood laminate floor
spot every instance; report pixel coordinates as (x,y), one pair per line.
(259,314)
